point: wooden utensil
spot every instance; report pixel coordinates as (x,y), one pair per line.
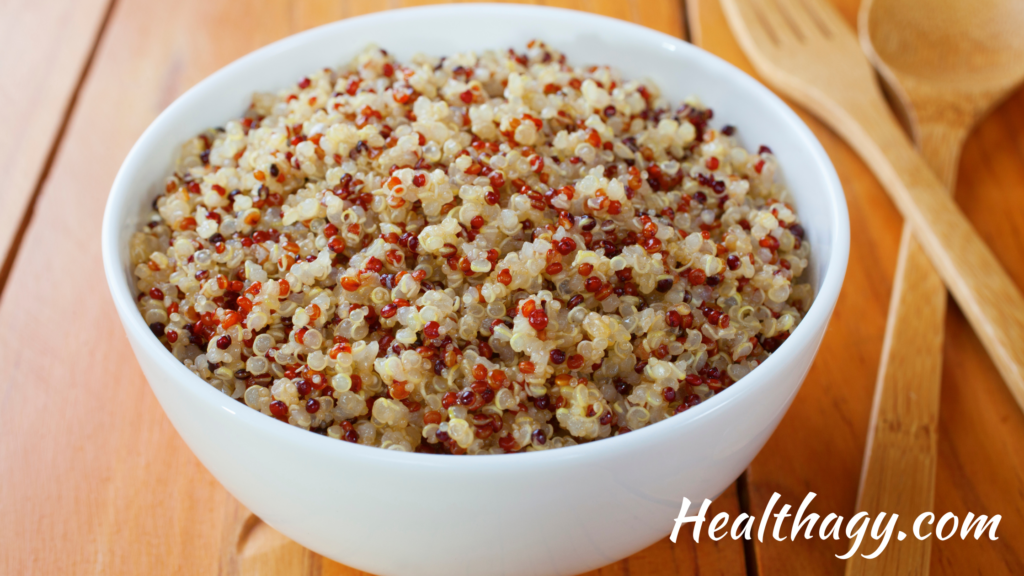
(948,63)
(806,50)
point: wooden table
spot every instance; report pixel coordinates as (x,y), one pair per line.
(93,479)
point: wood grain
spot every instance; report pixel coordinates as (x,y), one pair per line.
(981,430)
(95,480)
(46,46)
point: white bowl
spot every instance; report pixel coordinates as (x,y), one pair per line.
(555,512)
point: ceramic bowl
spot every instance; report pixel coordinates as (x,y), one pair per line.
(552,512)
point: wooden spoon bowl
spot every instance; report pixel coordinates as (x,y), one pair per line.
(949,62)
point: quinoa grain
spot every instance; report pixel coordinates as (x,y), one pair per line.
(485,253)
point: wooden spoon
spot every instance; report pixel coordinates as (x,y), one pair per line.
(948,63)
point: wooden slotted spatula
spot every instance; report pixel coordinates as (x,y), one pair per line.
(806,50)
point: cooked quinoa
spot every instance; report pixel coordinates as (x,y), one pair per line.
(483,253)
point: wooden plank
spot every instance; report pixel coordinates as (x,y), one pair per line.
(46,46)
(95,478)
(819,444)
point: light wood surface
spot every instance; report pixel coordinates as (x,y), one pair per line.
(44,48)
(809,52)
(96,481)
(944,86)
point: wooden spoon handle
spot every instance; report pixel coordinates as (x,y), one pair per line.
(985,292)
(898,476)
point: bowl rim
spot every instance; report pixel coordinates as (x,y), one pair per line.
(801,337)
